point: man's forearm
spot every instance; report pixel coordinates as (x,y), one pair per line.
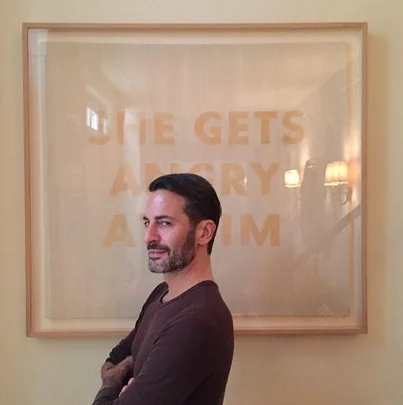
(113,381)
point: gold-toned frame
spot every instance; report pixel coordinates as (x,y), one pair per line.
(32,329)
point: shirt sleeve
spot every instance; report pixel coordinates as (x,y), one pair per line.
(181,358)
(124,347)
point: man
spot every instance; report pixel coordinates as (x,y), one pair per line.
(181,349)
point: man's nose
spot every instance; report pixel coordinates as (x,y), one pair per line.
(151,234)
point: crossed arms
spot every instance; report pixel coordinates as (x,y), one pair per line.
(180,359)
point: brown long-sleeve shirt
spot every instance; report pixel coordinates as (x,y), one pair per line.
(182,351)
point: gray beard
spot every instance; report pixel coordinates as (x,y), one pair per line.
(178,258)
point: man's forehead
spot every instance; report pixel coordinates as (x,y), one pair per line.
(165,200)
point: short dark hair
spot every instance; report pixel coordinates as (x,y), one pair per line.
(201,200)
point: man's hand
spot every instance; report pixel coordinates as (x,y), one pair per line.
(115,375)
(105,368)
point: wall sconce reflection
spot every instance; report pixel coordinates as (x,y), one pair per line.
(292,179)
(336,173)
(336,180)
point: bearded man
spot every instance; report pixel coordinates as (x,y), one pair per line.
(181,348)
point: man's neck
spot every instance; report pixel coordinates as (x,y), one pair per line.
(182,280)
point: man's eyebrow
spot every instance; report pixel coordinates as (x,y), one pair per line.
(159,217)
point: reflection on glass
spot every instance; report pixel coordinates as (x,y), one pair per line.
(291,179)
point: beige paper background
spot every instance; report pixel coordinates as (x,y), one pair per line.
(310,83)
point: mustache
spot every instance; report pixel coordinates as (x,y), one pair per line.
(156,246)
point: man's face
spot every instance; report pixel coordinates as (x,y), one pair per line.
(169,237)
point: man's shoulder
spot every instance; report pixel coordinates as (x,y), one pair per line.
(204,328)
(206,299)
(208,312)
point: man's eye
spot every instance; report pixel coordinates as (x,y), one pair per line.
(146,224)
(165,223)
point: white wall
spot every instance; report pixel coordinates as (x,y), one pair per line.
(330,370)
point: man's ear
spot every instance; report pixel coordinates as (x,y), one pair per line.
(205,231)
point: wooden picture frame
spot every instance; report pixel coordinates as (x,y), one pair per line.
(274,115)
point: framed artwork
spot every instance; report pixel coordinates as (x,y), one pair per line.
(273,115)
